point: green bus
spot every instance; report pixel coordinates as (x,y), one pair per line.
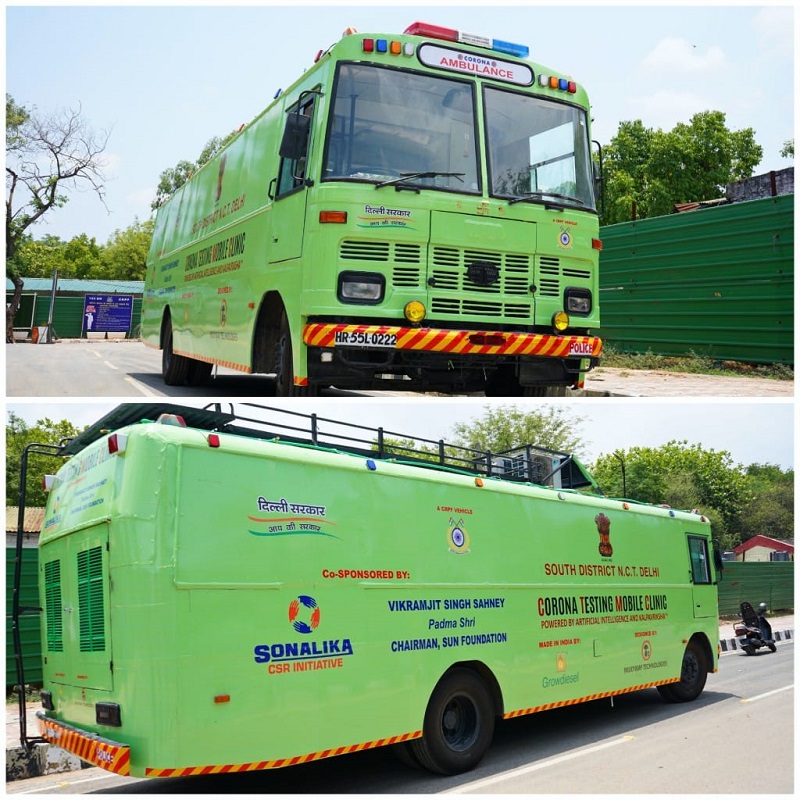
(241,590)
(415,211)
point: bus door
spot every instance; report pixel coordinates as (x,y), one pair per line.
(704,596)
(289,190)
(77,649)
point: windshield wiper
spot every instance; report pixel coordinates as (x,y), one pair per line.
(410,176)
(543,195)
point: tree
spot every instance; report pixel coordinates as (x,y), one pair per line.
(172,179)
(506,427)
(500,428)
(46,155)
(18,435)
(770,512)
(787,151)
(124,257)
(679,475)
(692,162)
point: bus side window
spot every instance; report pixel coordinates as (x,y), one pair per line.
(294,148)
(698,554)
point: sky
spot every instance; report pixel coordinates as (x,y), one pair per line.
(164,81)
(752,432)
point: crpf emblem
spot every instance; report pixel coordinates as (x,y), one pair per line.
(304,614)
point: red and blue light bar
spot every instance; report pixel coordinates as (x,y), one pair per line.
(452,35)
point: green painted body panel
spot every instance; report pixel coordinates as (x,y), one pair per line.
(222,243)
(718,282)
(326,598)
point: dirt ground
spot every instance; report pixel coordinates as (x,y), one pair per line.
(656,383)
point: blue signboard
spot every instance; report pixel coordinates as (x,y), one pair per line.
(110,313)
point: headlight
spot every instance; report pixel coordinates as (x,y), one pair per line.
(361,287)
(578,301)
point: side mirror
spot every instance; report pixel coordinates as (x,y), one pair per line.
(295,136)
(599,179)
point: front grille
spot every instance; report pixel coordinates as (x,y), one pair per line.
(449,267)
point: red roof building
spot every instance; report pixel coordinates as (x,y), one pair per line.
(764,548)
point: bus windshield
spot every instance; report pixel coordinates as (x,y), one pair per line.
(538,150)
(402,128)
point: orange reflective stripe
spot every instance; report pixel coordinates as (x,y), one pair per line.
(561,703)
(153,772)
(462,342)
(90,747)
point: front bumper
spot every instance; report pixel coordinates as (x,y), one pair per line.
(459,342)
(87,746)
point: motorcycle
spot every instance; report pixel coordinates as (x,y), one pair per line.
(754,631)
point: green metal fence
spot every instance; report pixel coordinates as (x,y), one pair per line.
(756,582)
(716,282)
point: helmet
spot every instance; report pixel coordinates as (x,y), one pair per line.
(762,608)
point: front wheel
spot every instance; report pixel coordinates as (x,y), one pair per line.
(694,671)
(458,726)
(174,368)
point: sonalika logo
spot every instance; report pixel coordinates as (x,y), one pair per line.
(304,616)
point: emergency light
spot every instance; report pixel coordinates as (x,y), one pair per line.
(452,35)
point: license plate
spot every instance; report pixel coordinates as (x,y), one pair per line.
(365,339)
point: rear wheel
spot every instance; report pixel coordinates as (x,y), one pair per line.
(459,724)
(174,368)
(749,649)
(694,671)
(198,373)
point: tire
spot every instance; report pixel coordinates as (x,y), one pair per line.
(544,391)
(458,726)
(283,365)
(694,672)
(174,368)
(749,649)
(772,647)
(198,373)
(404,753)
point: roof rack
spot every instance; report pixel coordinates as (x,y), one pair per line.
(528,463)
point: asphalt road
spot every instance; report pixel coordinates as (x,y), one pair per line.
(737,738)
(119,368)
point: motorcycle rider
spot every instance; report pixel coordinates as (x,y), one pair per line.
(763,624)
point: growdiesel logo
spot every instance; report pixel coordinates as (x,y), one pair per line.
(304,655)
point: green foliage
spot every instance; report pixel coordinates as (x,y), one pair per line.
(770,512)
(18,435)
(682,476)
(506,427)
(124,258)
(656,169)
(173,178)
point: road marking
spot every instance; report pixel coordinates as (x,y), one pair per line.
(141,387)
(62,784)
(550,762)
(109,364)
(768,694)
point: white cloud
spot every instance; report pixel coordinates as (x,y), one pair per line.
(680,55)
